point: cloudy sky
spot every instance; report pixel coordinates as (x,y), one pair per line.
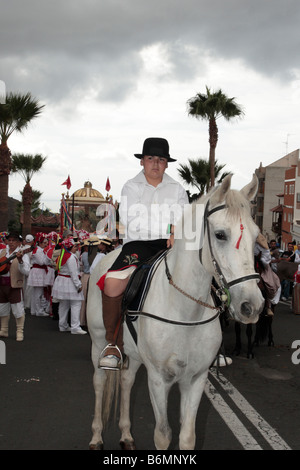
(114,72)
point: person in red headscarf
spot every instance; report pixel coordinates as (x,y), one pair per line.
(38,274)
(67,288)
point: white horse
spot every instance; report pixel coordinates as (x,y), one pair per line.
(181,351)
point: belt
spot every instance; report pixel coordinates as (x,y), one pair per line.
(40,266)
(66,275)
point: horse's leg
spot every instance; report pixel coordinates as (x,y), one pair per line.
(250,353)
(159,391)
(127,381)
(97,425)
(271,341)
(191,394)
(238,342)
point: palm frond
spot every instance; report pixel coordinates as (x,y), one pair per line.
(17,112)
(27,165)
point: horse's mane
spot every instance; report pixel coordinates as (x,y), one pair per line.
(235,201)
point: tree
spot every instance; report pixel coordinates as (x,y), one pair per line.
(210,107)
(14,224)
(15,116)
(197,174)
(27,166)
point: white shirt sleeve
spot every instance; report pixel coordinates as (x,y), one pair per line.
(24,268)
(265,256)
(73,271)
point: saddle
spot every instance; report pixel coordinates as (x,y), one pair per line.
(138,285)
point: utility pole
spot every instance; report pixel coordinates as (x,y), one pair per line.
(287,143)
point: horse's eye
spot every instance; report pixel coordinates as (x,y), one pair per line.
(220,235)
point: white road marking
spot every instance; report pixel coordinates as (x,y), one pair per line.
(231,419)
(233,422)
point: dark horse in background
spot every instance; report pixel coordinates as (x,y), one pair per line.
(263,328)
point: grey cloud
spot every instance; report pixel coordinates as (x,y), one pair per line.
(63,47)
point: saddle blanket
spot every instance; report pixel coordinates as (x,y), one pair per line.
(139,283)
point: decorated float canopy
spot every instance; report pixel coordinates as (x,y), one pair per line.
(86,196)
(80,207)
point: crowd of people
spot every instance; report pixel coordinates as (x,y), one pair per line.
(46,275)
(286,281)
(49,275)
(291,274)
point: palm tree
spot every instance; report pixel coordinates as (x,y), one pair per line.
(197,174)
(14,224)
(27,166)
(15,116)
(210,107)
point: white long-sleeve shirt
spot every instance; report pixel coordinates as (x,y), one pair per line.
(67,282)
(37,276)
(146,211)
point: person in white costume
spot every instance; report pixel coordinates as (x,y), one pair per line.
(49,278)
(11,286)
(29,242)
(38,274)
(67,288)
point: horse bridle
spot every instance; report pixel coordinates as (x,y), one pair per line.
(224,285)
(222,292)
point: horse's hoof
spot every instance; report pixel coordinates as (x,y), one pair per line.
(98,446)
(127,445)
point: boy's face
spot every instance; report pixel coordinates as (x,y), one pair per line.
(154,167)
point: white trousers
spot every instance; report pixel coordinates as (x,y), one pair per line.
(27,293)
(17,309)
(36,307)
(63,311)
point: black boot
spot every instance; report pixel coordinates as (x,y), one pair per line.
(55,306)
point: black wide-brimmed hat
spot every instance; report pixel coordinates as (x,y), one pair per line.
(156,147)
(15,235)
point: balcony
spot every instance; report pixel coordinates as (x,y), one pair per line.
(276,227)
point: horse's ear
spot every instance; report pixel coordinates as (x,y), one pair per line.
(221,191)
(250,190)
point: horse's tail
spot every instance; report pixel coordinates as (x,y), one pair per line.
(262,327)
(111,394)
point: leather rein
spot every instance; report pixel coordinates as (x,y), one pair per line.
(222,292)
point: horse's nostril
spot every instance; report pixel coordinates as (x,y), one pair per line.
(246,309)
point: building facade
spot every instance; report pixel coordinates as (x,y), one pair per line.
(273,211)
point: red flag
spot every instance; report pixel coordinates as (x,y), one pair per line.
(67,182)
(107,187)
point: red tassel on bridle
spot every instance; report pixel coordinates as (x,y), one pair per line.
(240,237)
